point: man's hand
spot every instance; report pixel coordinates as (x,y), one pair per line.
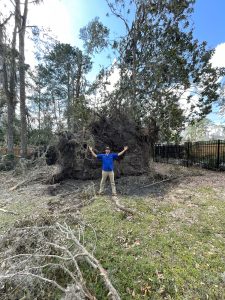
(125,148)
(92,152)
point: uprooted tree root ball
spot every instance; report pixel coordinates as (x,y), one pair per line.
(71,150)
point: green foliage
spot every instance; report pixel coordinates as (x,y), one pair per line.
(197,131)
(159,62)
(95,36)
(59,86)
(10,157)
(40,137)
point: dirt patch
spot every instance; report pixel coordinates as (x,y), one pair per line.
(170,184)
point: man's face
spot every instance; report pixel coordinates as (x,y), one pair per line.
(107,150)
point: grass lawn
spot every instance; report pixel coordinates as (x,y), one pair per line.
(174,250)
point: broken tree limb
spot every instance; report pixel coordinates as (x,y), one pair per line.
(28,180)
(113,294)
(33,275)
(158,182)
(8,211)
(121,207)
(18,185)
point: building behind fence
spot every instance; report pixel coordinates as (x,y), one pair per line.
(209,155)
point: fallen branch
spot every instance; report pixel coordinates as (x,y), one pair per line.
(32,177)
(8,211)
(67,254)
(121,207)
(158,182)
(92,261)
(20,184)
(33,275)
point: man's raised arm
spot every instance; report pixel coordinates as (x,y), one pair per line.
(124,150)
(92,152)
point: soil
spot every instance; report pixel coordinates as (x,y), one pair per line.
(169,184)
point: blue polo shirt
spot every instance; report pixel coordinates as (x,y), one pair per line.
(107,161)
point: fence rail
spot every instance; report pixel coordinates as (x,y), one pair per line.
(17,150)
(209,155)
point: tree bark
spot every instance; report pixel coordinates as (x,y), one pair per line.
(9,82)
(77,92)
(22,19)
(68,99)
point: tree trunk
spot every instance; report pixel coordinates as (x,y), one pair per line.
(68,100)
(77,93)
(23,113)
(39,114)
(9,85)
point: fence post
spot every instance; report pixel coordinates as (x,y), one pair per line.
(218,155)
(167,154)
(188,153)
(154,150)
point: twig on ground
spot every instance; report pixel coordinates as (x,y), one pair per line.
(158,182)
(123,208)
(8,211)
(19,184)
(33,275)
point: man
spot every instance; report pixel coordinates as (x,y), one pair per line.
(107,167)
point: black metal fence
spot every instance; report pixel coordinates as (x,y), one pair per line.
(209,155)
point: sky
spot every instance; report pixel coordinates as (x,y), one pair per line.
(66,17)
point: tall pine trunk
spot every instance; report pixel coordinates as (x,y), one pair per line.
(23,112)
(9,82)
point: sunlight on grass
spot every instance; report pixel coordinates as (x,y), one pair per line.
(158,255)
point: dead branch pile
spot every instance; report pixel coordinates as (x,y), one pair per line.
(40,262)
(31,171)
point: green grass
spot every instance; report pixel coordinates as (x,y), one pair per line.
(172,250)
(159,256)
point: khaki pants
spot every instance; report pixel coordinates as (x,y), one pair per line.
(105,174)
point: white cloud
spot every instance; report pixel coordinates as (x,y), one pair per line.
(53,15)
(218,59)
(193,102)
(113,79)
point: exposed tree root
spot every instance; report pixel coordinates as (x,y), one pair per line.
(123,208)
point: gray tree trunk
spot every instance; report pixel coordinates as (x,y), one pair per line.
(9,83)
(77,93)
(22,19)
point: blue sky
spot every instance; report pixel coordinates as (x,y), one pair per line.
(209,25)
(209,21)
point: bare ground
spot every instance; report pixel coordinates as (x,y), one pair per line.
(27,193)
